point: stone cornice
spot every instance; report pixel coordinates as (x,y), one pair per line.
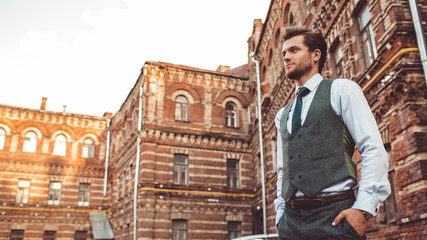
(33,168)
(194,140)
(206,79)
(72,120)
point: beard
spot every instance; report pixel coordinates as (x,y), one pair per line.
(300,69)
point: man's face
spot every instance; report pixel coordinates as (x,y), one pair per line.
(296,57)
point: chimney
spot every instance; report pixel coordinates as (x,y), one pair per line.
(43,105)
(223,68)
(108,115)
(65,108)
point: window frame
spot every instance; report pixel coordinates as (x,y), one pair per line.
(2,138)
(367,37)
(181,108)
(54,192)
(30,142)
(179,226)
(23,191)
(88,149)
(19,234)
(338,60)
(80,237)
(60,145)
(84,195)
(233,174)
(234,231)
(179,169)
(231,114)
(46,237)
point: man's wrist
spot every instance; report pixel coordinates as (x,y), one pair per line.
(366,214)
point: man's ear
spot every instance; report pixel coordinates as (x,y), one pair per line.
(316,55)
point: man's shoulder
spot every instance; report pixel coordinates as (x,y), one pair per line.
(344,85)
(342,81)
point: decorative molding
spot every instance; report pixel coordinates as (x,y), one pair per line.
(233,216)
(196,140)
(179,215)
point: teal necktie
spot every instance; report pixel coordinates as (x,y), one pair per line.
(296,117)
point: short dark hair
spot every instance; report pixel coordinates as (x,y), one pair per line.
(312,40)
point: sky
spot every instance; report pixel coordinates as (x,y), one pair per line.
(87,54)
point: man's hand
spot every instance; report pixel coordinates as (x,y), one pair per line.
(356,219)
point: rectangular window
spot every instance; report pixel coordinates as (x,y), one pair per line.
(338,60)
(54,193)
(84,190)
(232,173)
(367,36)
(179,229)
(80,235)
(128,231)
(88,148)
(119,187)
(233,229)
(16,234)
(180,169)
(23,191)
(49,235)
(390,202)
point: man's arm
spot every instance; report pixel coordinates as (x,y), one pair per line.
(348,101)
(279,202)
(356,114)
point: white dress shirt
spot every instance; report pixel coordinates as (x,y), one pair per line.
(349,103)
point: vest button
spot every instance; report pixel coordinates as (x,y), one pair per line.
(292,177)
(299,135)
(300,176)
(299,155)
(291,157)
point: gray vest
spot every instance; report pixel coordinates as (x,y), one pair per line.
(320,152)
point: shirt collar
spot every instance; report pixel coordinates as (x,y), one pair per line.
(312,83)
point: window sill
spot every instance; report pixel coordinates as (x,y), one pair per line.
(185,121)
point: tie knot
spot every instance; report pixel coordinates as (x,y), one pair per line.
(303,91)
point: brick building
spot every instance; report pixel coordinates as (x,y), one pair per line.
(51,173)
(373,43)
(195,135)
(196,164)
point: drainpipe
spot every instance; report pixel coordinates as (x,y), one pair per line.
(390,62)
(107,157)
(420,35)
(138,156)
(264,211)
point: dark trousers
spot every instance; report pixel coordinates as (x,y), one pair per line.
(316,223)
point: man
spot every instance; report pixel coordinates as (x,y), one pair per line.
(316,138)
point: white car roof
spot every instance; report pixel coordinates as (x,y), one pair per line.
(259,237)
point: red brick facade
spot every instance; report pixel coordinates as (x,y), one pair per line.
(199,144)
(34,212)
(393,82)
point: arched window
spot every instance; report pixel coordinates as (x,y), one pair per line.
(181,107)
(230,114)
(88,148)
(2,138)
(60,147)
(30,142)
